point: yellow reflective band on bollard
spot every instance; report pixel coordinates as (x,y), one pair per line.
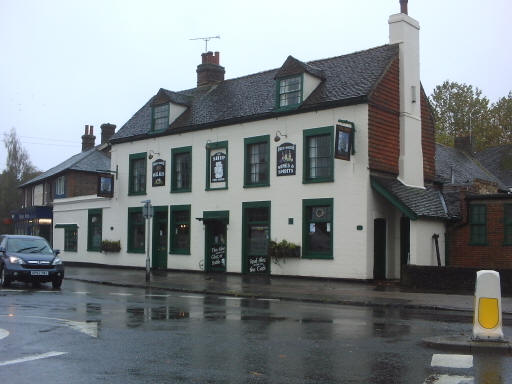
(488,312)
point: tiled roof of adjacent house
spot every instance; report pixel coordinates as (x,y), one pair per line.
(87,161)
(346,79)
(498,160)
(463,168)
(413,202)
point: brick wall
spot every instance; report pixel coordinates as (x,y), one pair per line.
(384,122)
(80,184)
(494,254)
(428,143)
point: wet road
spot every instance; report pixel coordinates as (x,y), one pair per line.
(89,333)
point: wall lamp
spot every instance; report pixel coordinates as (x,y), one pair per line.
(152,153)
(279,135)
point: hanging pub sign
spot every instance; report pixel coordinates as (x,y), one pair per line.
(286,159)
(218,162)
(105,185)
(344,145)
(158,174)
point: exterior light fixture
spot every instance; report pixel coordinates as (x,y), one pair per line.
(279,135)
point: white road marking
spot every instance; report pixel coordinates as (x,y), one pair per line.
(449,379)
(268,299)
(452,361)
(121,294)
(3,333)
(31,358)
(192,297)
(158,295)
(81,293)
(88,328)
(231,298)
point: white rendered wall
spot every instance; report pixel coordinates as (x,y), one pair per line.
(349,191)
(175,111)
(423,250)
(310,84)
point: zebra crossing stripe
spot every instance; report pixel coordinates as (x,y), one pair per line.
(452,361)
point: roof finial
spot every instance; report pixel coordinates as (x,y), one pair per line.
(403,6)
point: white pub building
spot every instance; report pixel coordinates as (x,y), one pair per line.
(335,156)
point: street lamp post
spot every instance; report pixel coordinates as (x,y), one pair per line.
(147,212)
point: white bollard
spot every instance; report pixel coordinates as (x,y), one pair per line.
(487,322)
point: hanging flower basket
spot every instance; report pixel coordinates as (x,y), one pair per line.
(110,246)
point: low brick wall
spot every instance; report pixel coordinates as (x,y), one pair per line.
(449,279)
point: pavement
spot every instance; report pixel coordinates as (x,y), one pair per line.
(328,291)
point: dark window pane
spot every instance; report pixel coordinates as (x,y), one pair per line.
(319,156)
(319,237)
(137,235)
(95,231)
(138,181)
(182,170)
(257,158)
(258,239)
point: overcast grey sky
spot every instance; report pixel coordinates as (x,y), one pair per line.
(65,63)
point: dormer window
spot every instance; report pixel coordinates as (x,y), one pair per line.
(160,117)
(290,91)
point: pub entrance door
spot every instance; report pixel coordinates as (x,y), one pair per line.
(256,236)
(159,244)
(215,245)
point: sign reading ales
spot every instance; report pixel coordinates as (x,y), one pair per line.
(286,159)
(158,174)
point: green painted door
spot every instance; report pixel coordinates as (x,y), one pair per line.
(215,252)
(379,249)
(256,235)
(159,245)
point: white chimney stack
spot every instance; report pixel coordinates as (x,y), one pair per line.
(404,30)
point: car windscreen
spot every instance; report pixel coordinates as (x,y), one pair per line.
(28,245)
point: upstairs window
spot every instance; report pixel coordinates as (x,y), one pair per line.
(181,179)
(257,162)
(60,190)
(160,120)
(478,224)
(137,174)
(507,224)
(318,155)
(290,91)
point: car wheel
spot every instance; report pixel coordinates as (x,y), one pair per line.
(4,282)
(56,283)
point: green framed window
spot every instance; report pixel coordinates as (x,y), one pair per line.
(217,166)
(137,174)
(94,230)
(256,236)
(179,238)
(478,224)
(257,161)
(317,228)
(136,231)
(289,91)
(181,176)
(71,238)
(507,224)
(318,155)
(160,117)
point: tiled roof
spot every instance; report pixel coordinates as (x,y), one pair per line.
(451,162)
(498,160)
(347,79)
(87,161)
(414,202)
(292,66)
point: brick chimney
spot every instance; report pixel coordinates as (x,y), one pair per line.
(88,138)
(404,31)
(107,130)
(464,144)
(210,72)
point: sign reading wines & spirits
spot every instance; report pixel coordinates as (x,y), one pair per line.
(286,159)
(158,175)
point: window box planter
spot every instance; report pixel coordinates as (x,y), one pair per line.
(283,250)
(110,246)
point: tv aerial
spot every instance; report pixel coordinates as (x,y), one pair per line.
(206,40)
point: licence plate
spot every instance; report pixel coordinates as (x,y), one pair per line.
(39,273)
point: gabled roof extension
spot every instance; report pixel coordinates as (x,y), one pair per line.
(498,160)
(348,79)
(292,66)
(87,161)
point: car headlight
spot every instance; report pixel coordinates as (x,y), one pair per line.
(57,261)
(16,260)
